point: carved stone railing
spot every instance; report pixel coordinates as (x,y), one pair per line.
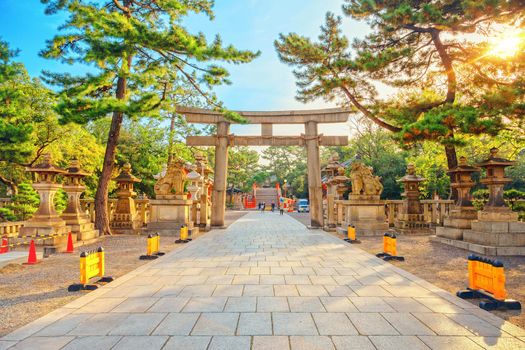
(141,205)
(434,211)
(10,228)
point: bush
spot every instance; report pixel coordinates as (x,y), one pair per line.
(24,204)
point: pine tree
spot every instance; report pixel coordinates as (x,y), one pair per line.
(130,45)
(447,83)
(25,113)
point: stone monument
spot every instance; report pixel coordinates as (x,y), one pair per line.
(365,210)
(171,207)
(410,219)
(125,218)
(73,214)
(497,230)
(46,221)
(463,212)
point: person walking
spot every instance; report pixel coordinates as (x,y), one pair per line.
(273,206)
(281,209)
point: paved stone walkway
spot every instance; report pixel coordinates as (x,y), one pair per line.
(268,283)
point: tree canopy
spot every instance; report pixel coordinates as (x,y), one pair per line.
(138,51)
(438,56)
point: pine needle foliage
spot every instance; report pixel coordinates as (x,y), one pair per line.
(435,54)
(130,46)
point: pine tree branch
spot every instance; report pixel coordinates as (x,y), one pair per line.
(121,7)
(10,183)
(367,112)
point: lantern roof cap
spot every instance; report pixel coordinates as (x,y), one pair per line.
(411,175)
(74,169)
(46,166)
(493,159)
(463,167)
(126,175)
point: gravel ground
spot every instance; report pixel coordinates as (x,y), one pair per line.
(445,266)
(29,292)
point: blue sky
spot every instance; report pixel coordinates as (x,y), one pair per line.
(264,84)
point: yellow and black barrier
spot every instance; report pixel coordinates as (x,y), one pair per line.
(153,247)
(390,248)
(183,235)
(350,235)
(486,279)
(92,264)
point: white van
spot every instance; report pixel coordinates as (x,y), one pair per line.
(303,206)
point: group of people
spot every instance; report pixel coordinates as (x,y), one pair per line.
(262,207)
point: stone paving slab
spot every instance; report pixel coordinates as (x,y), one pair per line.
(267,282)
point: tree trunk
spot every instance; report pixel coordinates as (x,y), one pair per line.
(452,162)
(101,197)
(171,138)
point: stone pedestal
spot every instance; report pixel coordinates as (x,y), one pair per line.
(79,221)
(367,214)
(458,221)
(169,213)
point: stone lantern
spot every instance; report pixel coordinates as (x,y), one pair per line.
(45,220)
(194,188)
(73,214)
(330,170)
(496,209)
(341,180)
(338,186)
(463,212)
(205,193)
(125,218)
(497,230)
(411,217)
(328,173)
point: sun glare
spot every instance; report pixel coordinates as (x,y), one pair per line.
(507,45)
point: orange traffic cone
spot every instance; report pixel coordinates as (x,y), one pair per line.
(4,248)
(31,258)
(70,248)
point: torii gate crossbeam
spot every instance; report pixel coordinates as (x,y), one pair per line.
(311,139)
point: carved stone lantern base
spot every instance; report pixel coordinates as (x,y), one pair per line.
(412,224)
(367,214)
(459,220)
(169,213)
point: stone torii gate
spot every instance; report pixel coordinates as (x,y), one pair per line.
(311,139)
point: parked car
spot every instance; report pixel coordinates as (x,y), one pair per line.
(303,206)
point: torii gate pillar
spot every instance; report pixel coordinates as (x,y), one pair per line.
(314,174)
(218,201)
